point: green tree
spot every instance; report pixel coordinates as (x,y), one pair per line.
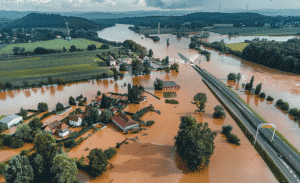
(150,53)
(72,48)
(285,106)
(219,112)
(98,93)
(294,111)
(23,132)
(44,145)
(106,116)
(110,152)
(135,117)
(78,111)
(251,83)
(38,164)
(195,145)
(35,124)
(279,102)
(192,45)
(2,167)
(168,43)
(174,66)
(238,76)
(122,67)
(2,86)
(8,85)
(19,170)
(26,84)
(70,143)
(167,60)
(105,102)
(231,76)
(50,80)
(64,168)
(3,127)
(91,47)
(59,107)
(97,162)
(158,84)
(95,115)
(258,89)
(72,100)
(137,67)
(23,112)
(43,107)
(231,138)
(200,100)
(147,71)
(262,95)
(269,98)
(226,129)
(187,121)
(167,69)
(17,143)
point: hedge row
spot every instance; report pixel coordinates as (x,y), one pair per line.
(82,132)
(171,101)
(32,115)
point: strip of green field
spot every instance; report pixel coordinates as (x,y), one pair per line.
(237,46)
(56,44)
(48,70)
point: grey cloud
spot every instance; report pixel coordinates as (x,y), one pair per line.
(154,3)
(175,4)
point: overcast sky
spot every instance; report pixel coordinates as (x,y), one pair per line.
(132,5)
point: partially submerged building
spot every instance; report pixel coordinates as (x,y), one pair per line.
(124,123)
(11,120)
(169,85)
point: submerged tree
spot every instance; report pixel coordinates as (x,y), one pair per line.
(200,99)
(195,145)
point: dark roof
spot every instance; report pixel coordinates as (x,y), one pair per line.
(73,117)
(169,84)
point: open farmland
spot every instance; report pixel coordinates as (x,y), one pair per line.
(237,46)
(57,44)
(36,69)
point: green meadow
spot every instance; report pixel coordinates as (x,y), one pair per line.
(237,46)
(56,44)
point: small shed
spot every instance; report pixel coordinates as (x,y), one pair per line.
(11,120)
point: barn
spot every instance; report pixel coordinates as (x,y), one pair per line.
(170,85)
(11,120)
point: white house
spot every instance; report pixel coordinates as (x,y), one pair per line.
(11,120)
(75,120)
(63,130)
(112,62)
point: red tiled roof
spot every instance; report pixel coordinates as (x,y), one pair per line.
(123,120)
(53,125)
(63,126)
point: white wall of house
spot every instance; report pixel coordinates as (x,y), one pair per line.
(62,134)
(113,62)
(76,123)
(131,127)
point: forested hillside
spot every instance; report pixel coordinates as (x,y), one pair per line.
(34,20)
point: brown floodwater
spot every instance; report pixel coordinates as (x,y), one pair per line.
(153,157)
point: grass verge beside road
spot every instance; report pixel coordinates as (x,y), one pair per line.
(271,164)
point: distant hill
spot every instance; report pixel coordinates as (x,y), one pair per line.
(271,12)
(52,20)
(13,15)
(4,22)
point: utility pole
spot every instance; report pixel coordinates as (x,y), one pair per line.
(68,32)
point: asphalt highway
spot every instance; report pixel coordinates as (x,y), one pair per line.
(289,163)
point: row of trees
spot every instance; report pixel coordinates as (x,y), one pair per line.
(134,46)
(233,76)
(141,112)
(158,84)
(134,92)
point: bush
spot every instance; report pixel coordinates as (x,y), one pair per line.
(17,144)
(294,111)
(3,127)
(226,129)
(231,138)
(285,106)
(110,152)
(171,101)
(262,95)
(269,98)
(279,102)
(43,107)
(150,123)
(70,143)
(2,167)
(231,76)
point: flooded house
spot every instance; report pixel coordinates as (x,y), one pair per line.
(11,120)
(56,127)
(169,85)
(124,123)
(75,120)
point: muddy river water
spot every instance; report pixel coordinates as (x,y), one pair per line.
(153,157)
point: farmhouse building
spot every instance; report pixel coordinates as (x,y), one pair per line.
(124,123)
(57,128)
(75,120)
(11,120)
(169,85)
